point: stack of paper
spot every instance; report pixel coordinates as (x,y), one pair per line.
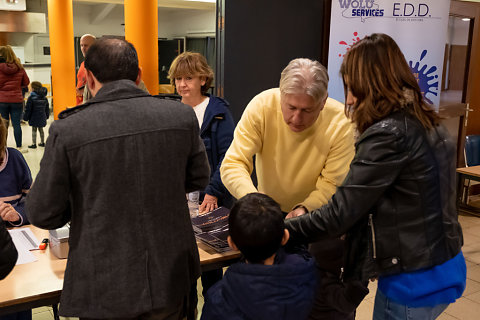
(24,241)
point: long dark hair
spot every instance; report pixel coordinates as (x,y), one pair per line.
(377,74)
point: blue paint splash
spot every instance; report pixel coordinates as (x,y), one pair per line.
(427,79)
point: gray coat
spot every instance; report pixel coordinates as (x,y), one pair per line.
(118,167)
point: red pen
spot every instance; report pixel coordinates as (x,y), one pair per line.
(43,245)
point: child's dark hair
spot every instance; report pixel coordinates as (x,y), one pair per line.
(36,85)
(256,226)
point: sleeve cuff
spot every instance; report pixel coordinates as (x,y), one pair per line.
(19,223)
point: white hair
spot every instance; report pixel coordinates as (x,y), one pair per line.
(305,76)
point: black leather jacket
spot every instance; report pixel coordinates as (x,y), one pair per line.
(397,203)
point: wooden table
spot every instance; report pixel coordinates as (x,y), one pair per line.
(39,283)
(471,173)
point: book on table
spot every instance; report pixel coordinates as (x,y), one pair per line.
(212,228)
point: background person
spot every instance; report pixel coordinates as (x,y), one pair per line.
(397,204)
(192,77)
(12,79)
(118,167)
(303,144)
(85,42)
(37,112)
(15,182)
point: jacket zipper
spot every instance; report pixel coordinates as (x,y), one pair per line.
(374,247)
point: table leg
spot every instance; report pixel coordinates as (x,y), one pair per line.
(55,311)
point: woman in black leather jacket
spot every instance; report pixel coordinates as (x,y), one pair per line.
(397,204)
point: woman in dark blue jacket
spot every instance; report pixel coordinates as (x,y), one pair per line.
(192,77)
(37,112)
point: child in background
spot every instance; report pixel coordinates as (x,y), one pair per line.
(269,283)
(37,112)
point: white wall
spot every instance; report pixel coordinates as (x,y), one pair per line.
(183,23)
(19,5)
(171,23)
(82,21)
(458,31)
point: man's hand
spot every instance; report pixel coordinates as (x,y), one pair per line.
(209,204)
(296,212)
(8,213)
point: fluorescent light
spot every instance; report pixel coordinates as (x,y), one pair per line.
(465,19)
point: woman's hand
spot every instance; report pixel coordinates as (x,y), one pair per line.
(8,213)
(209,204)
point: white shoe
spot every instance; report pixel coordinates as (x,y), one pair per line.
(22,150)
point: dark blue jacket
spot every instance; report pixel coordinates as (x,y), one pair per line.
(217,135)
(37,109)
(284,290)
(15,182)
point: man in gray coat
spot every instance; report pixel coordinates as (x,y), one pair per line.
(118,168)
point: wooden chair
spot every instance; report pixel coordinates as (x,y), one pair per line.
(472,158)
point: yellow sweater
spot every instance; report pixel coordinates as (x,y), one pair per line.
(301,168)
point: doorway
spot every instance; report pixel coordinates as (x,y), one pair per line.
(453,107)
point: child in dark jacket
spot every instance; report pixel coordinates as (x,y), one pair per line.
(37,112)
(269,283)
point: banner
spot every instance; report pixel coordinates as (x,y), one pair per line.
(418,27)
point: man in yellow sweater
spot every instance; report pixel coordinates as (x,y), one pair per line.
(302,140)
(303,145)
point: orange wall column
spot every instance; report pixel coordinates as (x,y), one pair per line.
(60,23)
(141,29)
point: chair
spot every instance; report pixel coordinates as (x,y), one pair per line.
(472,158)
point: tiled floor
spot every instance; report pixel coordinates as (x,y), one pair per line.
(33,156)
(466,308)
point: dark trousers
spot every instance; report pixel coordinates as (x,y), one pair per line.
(329,255)
(14,111)
(34,135)
(22,315)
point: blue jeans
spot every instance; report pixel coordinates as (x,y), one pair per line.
(14,111)
(386,309)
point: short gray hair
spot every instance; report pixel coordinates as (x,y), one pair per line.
(305,76)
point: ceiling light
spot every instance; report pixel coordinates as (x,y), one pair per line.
(465,19)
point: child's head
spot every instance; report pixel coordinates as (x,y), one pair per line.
(256,227)
(36,85)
